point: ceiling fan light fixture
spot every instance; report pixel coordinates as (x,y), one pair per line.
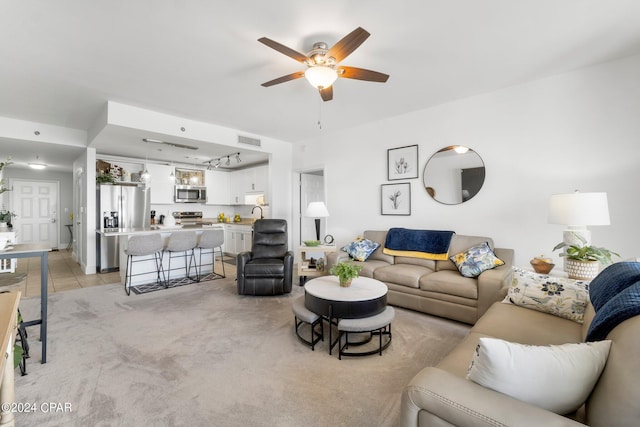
(321,76)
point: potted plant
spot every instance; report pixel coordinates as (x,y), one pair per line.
(5,218)
(583,261)
(346,272)
(105,178)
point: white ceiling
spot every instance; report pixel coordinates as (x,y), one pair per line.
(61,61)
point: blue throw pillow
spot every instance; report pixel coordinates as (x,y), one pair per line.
(475,260)
(361,249)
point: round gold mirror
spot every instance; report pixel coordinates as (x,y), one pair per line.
(453,175)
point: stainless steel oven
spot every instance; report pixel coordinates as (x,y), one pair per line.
(190,194)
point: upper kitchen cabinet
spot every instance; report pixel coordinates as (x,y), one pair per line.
(190,177)
(251,180)
(217,183)
(161,184)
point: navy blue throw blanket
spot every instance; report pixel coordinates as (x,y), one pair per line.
(615,295)
(428,244)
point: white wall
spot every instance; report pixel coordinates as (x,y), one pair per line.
(85,215)
(578,130)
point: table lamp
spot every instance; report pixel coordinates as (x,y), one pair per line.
(317,210)
(577,210)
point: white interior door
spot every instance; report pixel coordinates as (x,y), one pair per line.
(36,206)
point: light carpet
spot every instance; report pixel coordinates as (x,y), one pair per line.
(201,355)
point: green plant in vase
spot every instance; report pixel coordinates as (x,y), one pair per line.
(583,260)
(346,272)
(105,178)
(6,217)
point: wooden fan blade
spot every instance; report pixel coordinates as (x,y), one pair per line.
(362,74)
(284,49)
(283,79)
(327,94)
(348,44)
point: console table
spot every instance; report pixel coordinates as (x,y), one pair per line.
(29,250)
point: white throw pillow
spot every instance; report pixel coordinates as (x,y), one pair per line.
(558,378)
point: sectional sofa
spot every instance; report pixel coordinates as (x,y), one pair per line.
(435,287)
(443,396)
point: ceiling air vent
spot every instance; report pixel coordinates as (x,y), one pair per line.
(249,141)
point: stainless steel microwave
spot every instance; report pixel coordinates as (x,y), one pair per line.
(190,194)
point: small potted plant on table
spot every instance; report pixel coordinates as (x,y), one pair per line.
(583,261)
(346,272)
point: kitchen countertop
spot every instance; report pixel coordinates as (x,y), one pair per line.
(204,224)
(243,221)
(153,229)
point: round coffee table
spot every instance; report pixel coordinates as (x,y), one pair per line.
(364,298)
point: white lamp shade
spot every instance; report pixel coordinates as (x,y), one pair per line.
(321,76)
(317,210)
(579,209)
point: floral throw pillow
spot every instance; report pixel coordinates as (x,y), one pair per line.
(562,297)
(475,260)
(361,249)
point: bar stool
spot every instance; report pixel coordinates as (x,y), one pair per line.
(181,244)
(210,241)
(139,249)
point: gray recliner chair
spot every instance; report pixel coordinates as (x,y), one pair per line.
(268,268)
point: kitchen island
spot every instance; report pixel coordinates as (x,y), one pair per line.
(149,266)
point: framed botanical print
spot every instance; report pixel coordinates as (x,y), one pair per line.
(402,162)
(395,199)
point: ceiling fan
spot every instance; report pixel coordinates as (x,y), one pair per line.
(323,63)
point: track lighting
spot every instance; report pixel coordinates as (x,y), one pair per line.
(218,161)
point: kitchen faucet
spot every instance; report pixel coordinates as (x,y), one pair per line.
(254,208)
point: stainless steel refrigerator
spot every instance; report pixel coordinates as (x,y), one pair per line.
(119,206)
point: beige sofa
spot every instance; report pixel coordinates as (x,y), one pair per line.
(436,287)
(441,396)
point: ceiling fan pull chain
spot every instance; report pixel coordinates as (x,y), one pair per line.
(319,115)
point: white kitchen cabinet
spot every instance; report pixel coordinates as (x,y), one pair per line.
(252,180)
(240,181)
(260,178)
(161,185)
(218,187)
(237,238)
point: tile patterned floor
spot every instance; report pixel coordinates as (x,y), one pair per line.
(64,274)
